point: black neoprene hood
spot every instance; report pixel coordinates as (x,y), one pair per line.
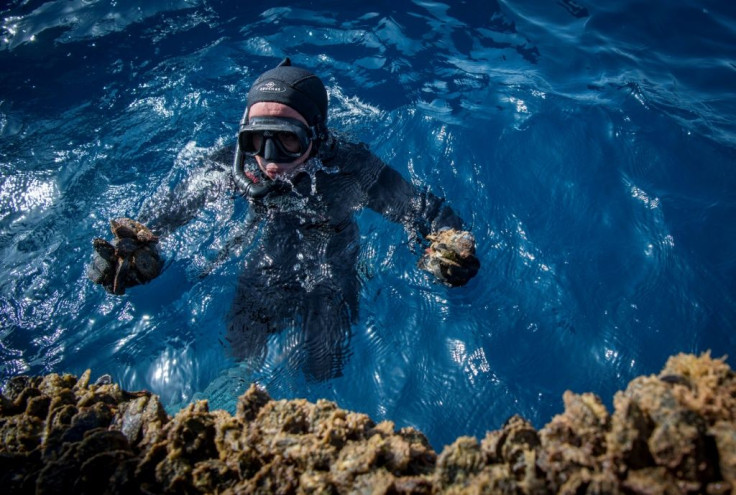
(293,86)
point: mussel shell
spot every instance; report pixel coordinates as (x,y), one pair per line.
(127,228)
(104,249)
(146,263)
(126,246)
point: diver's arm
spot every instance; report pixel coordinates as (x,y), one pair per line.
(133,257)
(391,195)
(168,209)
(421,212)
(451,255)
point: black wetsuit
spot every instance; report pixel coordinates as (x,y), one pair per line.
(300,271)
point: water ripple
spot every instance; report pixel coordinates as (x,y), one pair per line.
(80,19)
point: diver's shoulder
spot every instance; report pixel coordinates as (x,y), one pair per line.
(339,146)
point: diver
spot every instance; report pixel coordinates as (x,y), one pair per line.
(304,185)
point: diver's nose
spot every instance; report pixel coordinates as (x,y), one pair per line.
(270,153)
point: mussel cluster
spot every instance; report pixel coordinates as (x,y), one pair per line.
(132,258)
(451,257)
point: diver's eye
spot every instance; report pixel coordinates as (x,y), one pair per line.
(289,141)
(257,139)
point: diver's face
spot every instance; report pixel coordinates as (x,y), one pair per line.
(273,109)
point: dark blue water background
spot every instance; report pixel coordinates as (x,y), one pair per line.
(589,145)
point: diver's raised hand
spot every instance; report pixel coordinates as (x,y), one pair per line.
(131,259)
(451,257)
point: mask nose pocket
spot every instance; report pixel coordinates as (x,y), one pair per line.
(270,152)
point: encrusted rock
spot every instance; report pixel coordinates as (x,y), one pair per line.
(459,462)
(674,433)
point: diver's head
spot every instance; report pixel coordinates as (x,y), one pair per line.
(286,118)
(277,136)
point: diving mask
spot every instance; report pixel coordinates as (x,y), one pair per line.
(276,139)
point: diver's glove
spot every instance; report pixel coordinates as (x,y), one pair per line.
(131,259)
(451,257)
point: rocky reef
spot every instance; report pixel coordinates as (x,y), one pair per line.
(672,433)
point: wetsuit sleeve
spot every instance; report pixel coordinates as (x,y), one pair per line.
(390,194)
(170,208)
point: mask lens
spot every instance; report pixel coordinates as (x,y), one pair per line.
(256,138)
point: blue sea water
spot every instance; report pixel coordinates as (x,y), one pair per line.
(589,145)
